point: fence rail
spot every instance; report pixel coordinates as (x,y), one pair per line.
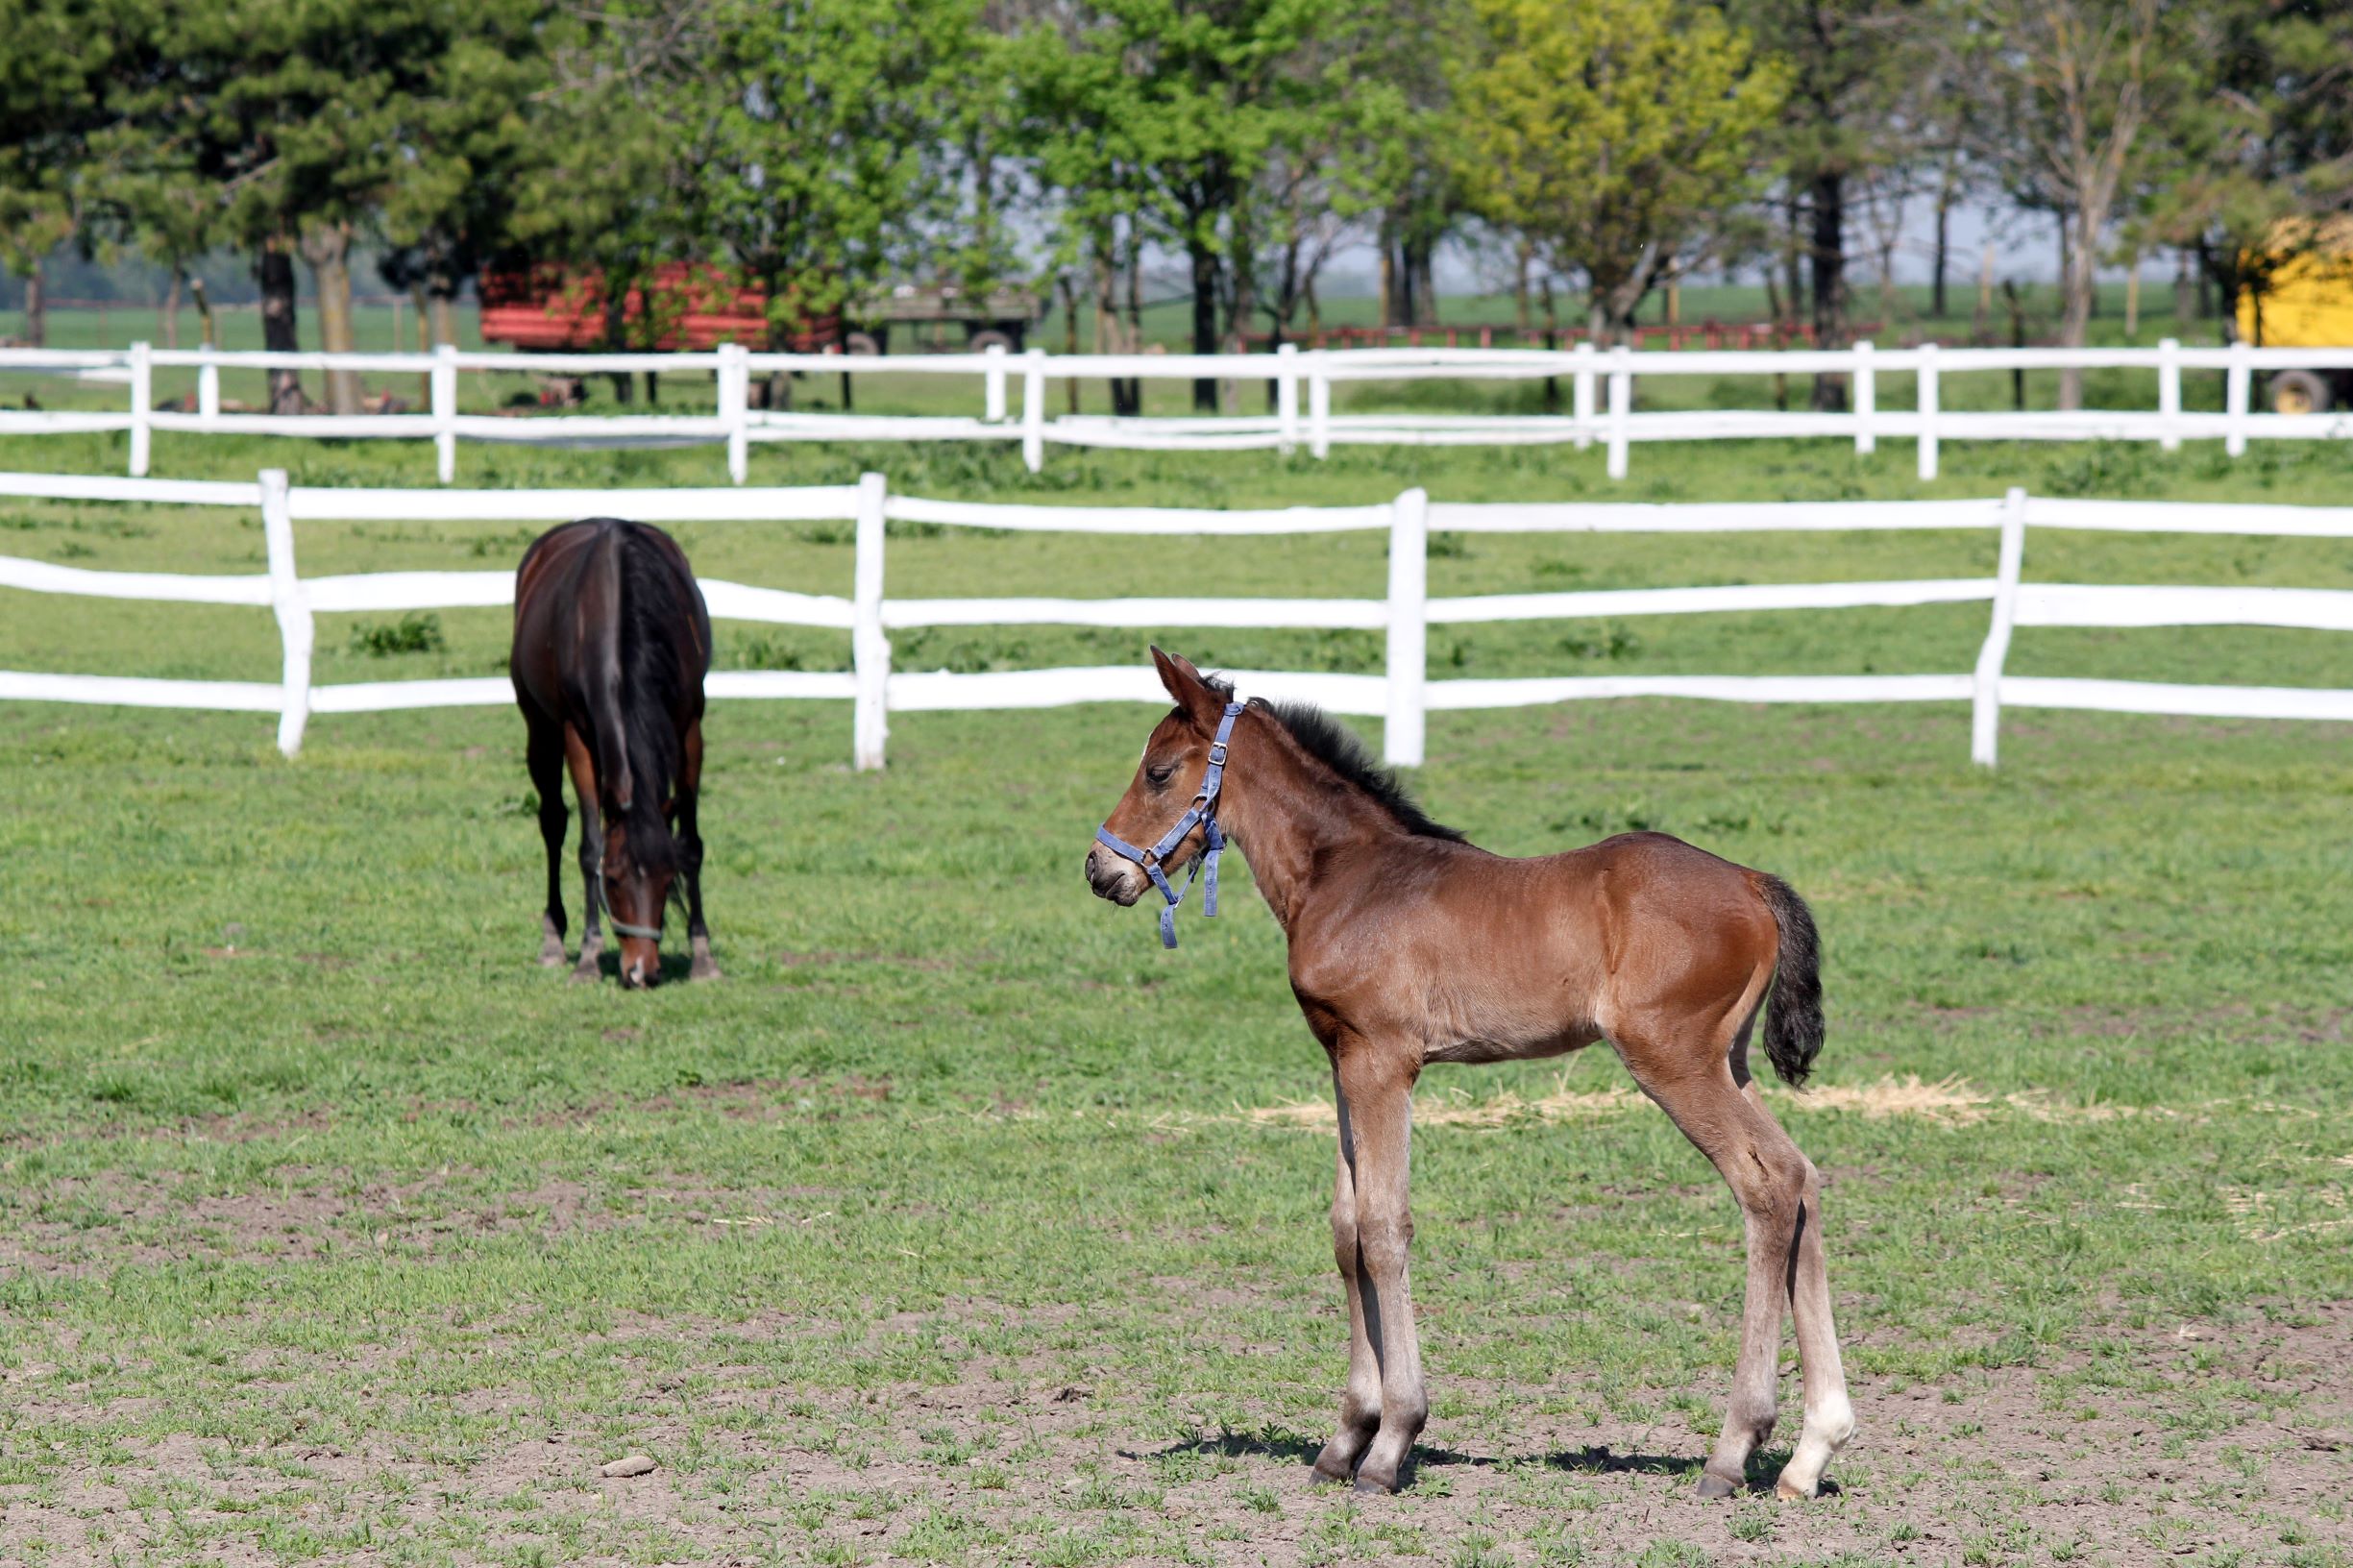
(1402,696)
(1601,400)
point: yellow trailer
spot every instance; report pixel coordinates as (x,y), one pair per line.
(2306,304)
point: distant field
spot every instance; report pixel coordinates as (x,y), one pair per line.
(960,1223)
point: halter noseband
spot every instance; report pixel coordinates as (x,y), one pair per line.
(1202,813)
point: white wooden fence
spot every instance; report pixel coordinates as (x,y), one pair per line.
(1602,402)
(1402,696)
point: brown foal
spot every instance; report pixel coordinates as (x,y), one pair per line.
(1411,946)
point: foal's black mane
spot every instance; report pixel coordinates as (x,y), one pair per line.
(1337,748)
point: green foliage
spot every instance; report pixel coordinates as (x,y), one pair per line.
(1613,132)
(417,632)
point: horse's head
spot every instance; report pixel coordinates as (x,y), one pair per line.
(1168,781)
(641,861)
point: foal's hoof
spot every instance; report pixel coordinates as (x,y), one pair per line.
(1714,1486)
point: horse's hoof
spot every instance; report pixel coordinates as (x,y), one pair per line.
(1714,1486)
(1330,1471)
(1374,1485)
(551,957)
(586,974)
(703,970)
(1787,1493)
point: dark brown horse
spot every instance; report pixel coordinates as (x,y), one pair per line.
(611,645)
(1410,945)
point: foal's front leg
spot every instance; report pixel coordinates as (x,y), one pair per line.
(1361,1402)
(1376,1092)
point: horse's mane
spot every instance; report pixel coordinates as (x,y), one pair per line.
(1337,748)
(652,606)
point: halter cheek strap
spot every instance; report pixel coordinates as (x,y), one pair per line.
(1202,814)
(621,927)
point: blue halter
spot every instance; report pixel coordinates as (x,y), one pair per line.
(1203,813)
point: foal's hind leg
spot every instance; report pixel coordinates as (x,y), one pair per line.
(545,759)
(1829,1414)
(1778,1193)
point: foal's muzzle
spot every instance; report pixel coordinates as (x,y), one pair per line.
(1113,879)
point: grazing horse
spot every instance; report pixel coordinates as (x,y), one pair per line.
(611,645)
(1411,946)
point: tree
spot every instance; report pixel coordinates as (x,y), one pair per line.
(53,64)
(2247,163)
(466,140)
(1617,135)
(823,118)
(2076,84)
(1176,109)
(1852,122)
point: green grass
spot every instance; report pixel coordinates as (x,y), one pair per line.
(335,1230)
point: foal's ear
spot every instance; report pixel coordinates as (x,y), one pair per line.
(1200,702)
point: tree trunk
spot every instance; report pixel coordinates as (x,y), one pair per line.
(277,323)
(2185,294)
(1069,288)
(1944,249)
(2076,303)
(1388,283)
(1421,285)
(1204,321)
(2132,298)
(1135,312)
(1829,258)
(171,309)
(37,308)
(1520,316)
(328,249)
(1985,291)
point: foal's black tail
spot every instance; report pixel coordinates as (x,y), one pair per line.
(1793,1023)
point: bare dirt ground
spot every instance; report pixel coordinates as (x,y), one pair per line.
(2243,1459)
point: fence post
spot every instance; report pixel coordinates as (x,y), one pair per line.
(1033,409)
(1580,395)
(1985,702)
(2238,380)
(2169,394)
(869,651)
(1621,406)
(1409,665)
(142,408)
(1866,401)
(445,411)
(1319,408)
(295,629)
(735,407)
(1927,410)
(1287,398)
(993,389)
(208,385)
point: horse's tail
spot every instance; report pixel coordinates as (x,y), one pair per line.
(1793,1023)
(604,667)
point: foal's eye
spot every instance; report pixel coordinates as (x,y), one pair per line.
(1160,773)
